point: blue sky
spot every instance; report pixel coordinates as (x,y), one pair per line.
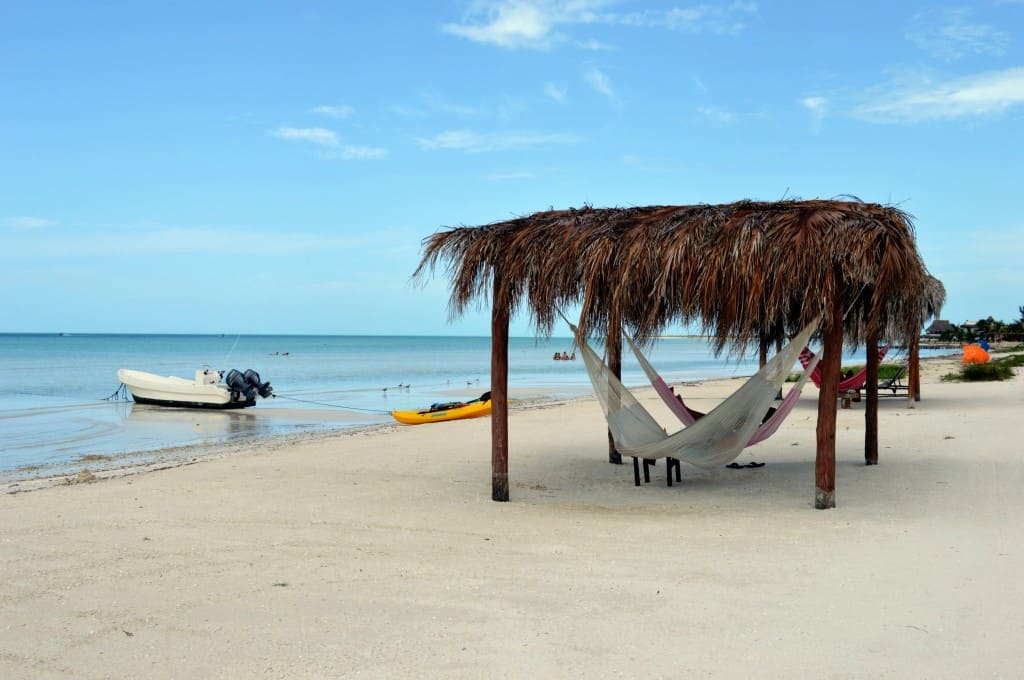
(273,167)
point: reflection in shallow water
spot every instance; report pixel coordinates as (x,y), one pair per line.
(201,424)
(57,438)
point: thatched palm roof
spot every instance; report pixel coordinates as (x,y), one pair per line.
(743,271)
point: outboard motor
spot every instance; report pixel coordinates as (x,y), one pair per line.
(239,386)
(262,388)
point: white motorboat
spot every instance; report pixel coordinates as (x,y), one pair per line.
(238,390)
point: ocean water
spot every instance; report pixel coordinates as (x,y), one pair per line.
(53,415)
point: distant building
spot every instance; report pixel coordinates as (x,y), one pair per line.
(938,327)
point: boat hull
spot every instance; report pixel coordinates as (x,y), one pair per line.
(149,388)
(190,404)
(470,410)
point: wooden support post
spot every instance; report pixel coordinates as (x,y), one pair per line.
(825,459)
(871,410)
(762,352)
(914,371)
(778,348)
(499,393)
(613,344)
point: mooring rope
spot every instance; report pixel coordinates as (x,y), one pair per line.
(320,403)
(121,393)
(232,350)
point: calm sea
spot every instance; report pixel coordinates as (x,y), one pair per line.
(52,387)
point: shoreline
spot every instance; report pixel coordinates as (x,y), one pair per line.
(90,469)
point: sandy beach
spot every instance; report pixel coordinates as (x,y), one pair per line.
(379,554)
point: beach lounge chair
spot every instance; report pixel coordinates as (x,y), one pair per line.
(893,384)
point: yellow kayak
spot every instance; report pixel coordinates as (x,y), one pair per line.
(439,412)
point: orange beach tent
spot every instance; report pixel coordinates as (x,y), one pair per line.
(973,354)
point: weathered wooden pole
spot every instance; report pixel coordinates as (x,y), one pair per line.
(762,352)
(914,370)
(825,459)
(871,410)
(499,392)
(613,345)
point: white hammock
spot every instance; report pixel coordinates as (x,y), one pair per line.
(688,417)
(713,440)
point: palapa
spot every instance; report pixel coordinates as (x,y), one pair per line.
(747,273)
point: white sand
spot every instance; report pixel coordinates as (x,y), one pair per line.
(381,555)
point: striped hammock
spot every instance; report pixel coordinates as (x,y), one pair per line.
(854,382)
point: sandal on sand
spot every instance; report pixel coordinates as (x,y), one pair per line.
(737,466)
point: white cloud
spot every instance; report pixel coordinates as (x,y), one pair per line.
(407,111)
(949,34)
(358,153)
(340,112)
(720,19)
(328,140)
(717,115)
(975,95)
(536,24)
(513,23)
(597,79)
(318,136)
(592,44)
(555,92)
(815,104)
(438,103)
(708,18)
(818,106)
(27,223)
(478,142)
(503,176)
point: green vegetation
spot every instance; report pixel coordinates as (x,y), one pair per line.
(997,369)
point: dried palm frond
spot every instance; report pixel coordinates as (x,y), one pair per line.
(745,272)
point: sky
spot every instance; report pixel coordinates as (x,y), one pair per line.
(256,167)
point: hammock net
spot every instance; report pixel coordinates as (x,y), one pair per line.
(713,440)
(688,416)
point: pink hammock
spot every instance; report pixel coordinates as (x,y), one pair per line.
(854,382)
(688,416)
